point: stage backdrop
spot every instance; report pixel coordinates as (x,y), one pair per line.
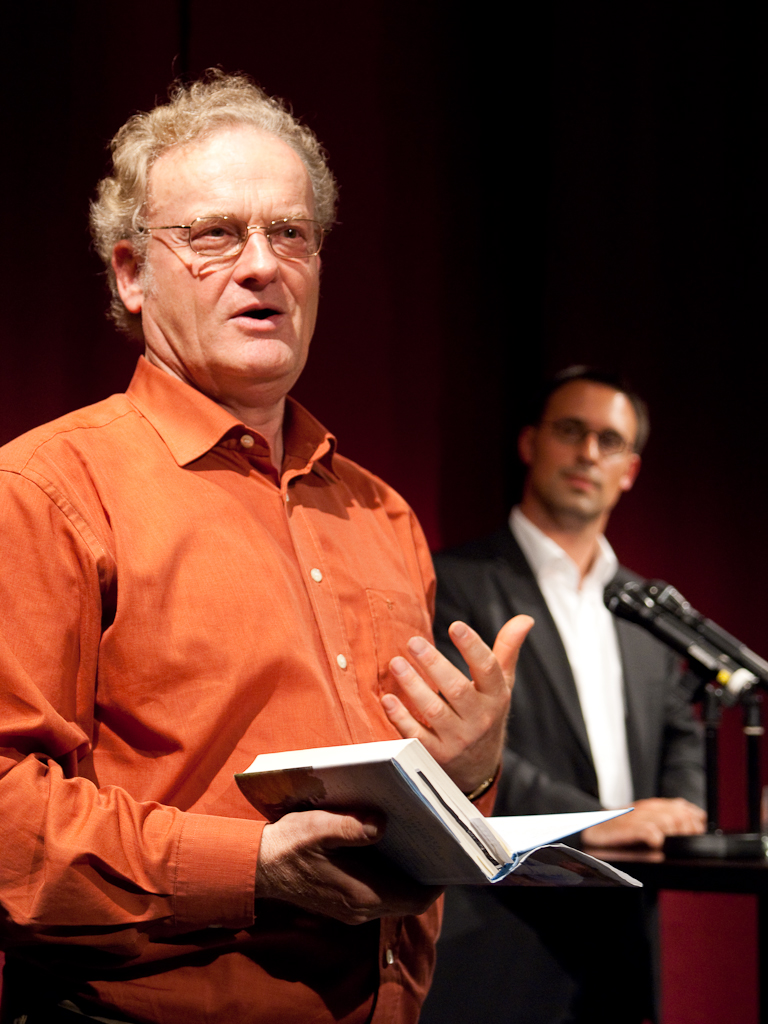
(585,184)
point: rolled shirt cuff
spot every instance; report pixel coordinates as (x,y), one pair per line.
(216,872)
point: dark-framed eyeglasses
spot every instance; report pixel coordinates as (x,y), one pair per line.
(224,235)
(574,431)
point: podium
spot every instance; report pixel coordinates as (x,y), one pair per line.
(725,875)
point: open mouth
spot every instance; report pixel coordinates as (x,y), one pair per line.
(260,314)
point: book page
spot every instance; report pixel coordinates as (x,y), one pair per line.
(527,831)
(562,866)
(322,757)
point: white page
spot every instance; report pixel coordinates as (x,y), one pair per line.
(323,757)
(527,831)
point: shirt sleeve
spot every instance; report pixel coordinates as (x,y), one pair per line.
(92,860)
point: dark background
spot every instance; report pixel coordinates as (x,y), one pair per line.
(564,183)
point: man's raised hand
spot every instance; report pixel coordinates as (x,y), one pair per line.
(460,721)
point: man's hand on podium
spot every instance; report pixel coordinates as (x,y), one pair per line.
(648,825)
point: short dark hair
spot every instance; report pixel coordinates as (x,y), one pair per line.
(594,375)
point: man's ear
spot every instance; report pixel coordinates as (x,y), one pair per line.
(525,444)
(127,270)
(630,476)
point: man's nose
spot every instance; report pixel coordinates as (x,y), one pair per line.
(589,446)
(257,259)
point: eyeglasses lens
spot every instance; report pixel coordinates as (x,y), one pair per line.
(226,236)
(610,442)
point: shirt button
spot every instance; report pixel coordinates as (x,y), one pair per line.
(316,575)
(389,957)
(341,661)
(247,441)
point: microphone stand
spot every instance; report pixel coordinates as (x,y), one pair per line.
(753,731)
(712,718)
(715,842)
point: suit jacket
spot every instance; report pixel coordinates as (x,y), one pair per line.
(548,764)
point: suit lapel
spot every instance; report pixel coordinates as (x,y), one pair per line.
(636,693)
(522,591)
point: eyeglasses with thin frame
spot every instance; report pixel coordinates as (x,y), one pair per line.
(224,235)
(574,431)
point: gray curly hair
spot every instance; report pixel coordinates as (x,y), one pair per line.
(193,112)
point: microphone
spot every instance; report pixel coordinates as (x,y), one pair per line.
(717,658)
(634,602)
(673,601)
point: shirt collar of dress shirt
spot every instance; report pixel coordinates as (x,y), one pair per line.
(544,555)
(191,424)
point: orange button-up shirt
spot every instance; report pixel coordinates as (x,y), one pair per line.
(172,607)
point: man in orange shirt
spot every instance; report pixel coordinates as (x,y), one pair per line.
(193,576)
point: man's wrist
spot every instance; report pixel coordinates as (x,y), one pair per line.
(484,786)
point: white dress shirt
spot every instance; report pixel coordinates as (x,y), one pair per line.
(588,633)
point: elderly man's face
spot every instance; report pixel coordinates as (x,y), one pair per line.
(239,328)
(576,479)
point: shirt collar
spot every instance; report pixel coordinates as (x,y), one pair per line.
(543,554)
(191,424)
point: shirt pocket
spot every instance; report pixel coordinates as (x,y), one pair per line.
(396,616)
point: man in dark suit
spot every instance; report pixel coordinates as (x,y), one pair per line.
(598,719)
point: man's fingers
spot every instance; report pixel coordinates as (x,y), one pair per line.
(445,682)
(400,716)
(509,640)
(623,832)
(689,821)
(675,816)
(652,820)
(329,830)
(491,669)
(349,830)
(433,708)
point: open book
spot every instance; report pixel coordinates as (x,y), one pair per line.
(433,832)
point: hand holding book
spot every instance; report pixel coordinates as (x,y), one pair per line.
(311,859)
